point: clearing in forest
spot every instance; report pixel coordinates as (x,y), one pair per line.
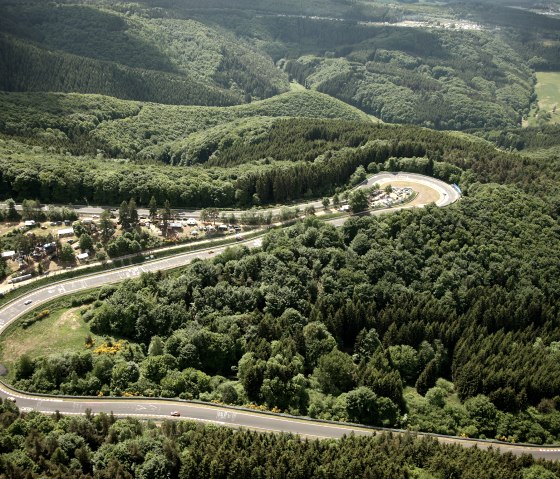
(548,94)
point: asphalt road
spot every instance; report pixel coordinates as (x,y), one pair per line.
(159,409)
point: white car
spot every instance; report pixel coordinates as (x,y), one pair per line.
(11,399)
(191,222)
(29,301)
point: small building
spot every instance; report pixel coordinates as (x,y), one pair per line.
(175,225)
(82,256)
(30,223)
(8,254)
(63,233)
(19,279)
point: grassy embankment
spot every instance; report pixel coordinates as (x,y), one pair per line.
(63,330)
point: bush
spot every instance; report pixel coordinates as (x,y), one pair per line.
(36,317)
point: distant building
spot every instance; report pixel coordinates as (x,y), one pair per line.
(8,254)
(82,256)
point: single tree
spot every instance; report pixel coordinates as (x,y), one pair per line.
(124,215)
(67,254)
(133,213)
(12,214)
(165,214)
(336,200)
(106,228)
(358,201)
(152,207)
(309,210)
(86,242)
(209,214)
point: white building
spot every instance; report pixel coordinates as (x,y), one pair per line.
(63,233)
(8,254)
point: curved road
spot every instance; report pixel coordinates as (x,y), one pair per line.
(159,409)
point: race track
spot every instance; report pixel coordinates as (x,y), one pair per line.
(159,409)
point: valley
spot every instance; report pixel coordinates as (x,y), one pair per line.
(279,239)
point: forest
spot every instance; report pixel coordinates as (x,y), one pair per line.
(442,320)
(101,446)
(227,53)
(439,79)
(89,49)
(364,323)
(200,157)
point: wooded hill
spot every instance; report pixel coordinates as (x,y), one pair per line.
(242,155)
(88,49)
(224,53)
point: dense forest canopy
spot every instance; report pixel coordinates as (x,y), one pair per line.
(236,157)
(440,320)
(320,319)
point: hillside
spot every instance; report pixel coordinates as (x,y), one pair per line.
(453,69)
(134,130)
(437,78)
(90,49)
(69,447)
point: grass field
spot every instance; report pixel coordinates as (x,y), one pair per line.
(548,94)
(63,330)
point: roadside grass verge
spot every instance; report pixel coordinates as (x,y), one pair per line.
(63,330)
